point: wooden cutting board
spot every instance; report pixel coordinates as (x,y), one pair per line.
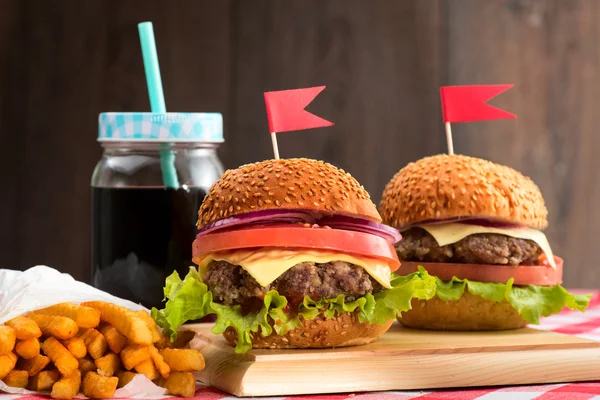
(402,359)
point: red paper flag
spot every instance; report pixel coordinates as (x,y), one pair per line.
(468,103)
(285,110)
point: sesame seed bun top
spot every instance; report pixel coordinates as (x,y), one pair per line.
(286,184)
(444,186)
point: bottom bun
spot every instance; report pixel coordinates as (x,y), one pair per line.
(469,313)
(320,332)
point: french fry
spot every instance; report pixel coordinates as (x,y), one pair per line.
(60,356)
(115,340)
(76,346)
(183,359)
(43,380)
(108,365)
(67,387)
(25,328)
(86,365)
(151,324)
(17,378)
(84,317)
(54,325)
(183,338)
(158,360)
(127,322)
(148,369)
(94,342)
(28,348)
(34,365)
(125,377)
(99,387)
(7,363)
(179,384)
(8,336)
(133,355)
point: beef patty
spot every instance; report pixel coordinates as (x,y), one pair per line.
(483,248)
(231,284)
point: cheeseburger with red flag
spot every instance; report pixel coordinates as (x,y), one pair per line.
(477,227)
(291,253)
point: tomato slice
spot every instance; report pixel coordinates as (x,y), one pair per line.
(539,275)
(348,242)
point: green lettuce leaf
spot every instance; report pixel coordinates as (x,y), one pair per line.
(532,302)
(390,303)
(189,299)
(245,324)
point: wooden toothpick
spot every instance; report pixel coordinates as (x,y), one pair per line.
(449,138)
(275,147)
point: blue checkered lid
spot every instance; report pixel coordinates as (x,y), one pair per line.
(160,127)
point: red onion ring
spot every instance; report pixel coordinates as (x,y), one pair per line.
(272,217)
(361,225)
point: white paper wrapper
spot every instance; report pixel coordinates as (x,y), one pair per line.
(40,287)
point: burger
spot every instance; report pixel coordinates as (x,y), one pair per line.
(475,226)
(291,253)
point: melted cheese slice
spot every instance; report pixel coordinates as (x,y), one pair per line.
(452,232)
(266,265)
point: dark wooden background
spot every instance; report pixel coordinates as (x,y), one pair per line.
(63,62)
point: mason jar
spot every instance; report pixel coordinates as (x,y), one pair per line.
(146,191)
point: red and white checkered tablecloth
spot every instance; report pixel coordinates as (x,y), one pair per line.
(586,325)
